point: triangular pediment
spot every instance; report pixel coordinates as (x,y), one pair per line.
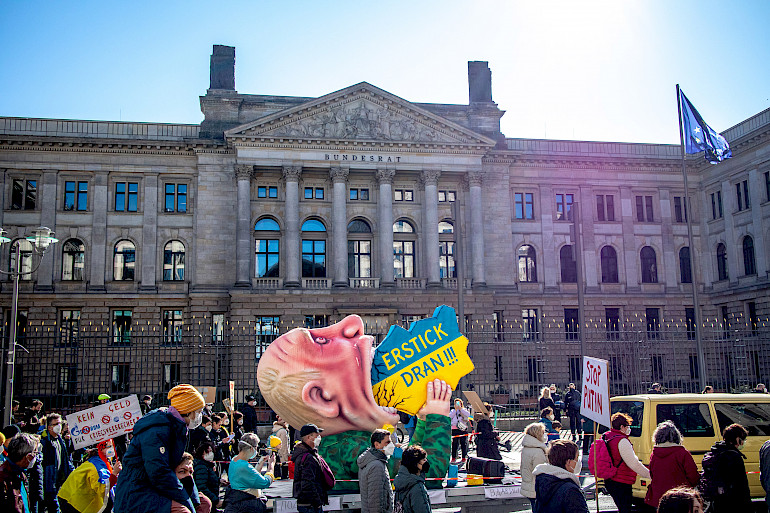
(359,113)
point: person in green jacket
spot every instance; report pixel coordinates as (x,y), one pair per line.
(411,492)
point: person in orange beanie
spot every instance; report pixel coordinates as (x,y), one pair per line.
(148,481)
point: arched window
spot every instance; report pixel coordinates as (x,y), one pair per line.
(359,249)
(267,248)
(685,265)
(313,249)
(403,249)
(73,260)
(123,261)
(649,265)
(527,264)
(568,265)
(446,250)
(609,258)
(721,262)
(25,267)
(749,263)
(173,261)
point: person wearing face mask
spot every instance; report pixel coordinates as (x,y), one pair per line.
(460,424)
(57,463)
(620,486)
(411,494)
(373,475)
(246,480)
(533,453)
(546,418)
(312,477)
(22,453)
(89,489)
(205,475)
(238,431)
(200,434)
(145,404)
(249,414)
(723,465)
(148,481)
(557,486)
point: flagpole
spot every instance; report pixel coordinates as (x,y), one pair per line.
(693,267)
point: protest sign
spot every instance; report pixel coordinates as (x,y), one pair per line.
(209,394)
(596,391)
(105,421)
(407,360)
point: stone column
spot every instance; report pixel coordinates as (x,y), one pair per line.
(475,179)
(339,178)
(385,220)
(430,181)
(100,254)
(243,175)
(149,231)
(48,218)
(291,176)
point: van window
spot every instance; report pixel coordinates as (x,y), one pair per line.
(691,419)
(754,417)
(633,408)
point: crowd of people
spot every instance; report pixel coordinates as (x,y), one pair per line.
(185,458)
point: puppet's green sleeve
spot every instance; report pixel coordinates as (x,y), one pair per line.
(341,452)
(434,434)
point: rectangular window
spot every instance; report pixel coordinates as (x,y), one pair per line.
(268,253)
(120,378)
(261,191)
(656,362)
(600,207)
(175,197)
(534,370)
(121,327)
(644,211)
(403,195)
(68,380)
(524,205)
(446,196)
(69,327)
(267,330)
(403,259)
(314,259)
(653,323)
(767,185)
(610,201)
(272,192)
(24,195)
(69,195)
(751,306)
(612,320)
(264,191)
(716,205)
(564,207)
(755,417)
(694,370)
(692,420)
(171,376)
(680,209)
(319,193)
(217,327)
(126,196)
(571,324)
(575,367)
(742,195)
(82,200)
(689,314)
(172,327)
(308,193)
(359,194)
(498,368)
(497,318)
(531,324)
(605,207)
(318,321)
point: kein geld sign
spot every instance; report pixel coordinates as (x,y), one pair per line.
(94,425)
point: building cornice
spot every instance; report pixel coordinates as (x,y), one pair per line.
(122,146)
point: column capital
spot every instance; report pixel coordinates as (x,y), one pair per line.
(385,175)
(475,178)
(338,174)
(429,177)
(243,171)
(292,173)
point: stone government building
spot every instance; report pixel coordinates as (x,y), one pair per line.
(281,211)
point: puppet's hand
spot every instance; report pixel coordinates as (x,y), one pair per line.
(437,401)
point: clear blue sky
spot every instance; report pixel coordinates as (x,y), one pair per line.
(560,69)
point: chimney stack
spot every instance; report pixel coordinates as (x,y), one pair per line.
(479,82)
(223,68)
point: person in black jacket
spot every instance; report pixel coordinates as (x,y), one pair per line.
(723,465)
(249,415)
(200,434)
(205,475)
(309,488)
(572,403)
(487,438)
(557,488)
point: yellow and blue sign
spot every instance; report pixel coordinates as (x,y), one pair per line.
(407,360)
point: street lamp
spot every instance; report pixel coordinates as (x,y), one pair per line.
(41,239)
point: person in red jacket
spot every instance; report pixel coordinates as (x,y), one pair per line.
(622,452)
(671,465)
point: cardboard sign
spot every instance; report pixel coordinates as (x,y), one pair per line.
(94,425)
(475,401)
(232,393)
(502,492)
(228,406)
(595,403)
(209,394)
(407,360)
(437,496)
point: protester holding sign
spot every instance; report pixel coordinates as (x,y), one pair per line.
(148,482)
(621,451)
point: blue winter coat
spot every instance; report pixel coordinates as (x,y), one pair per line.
(148,482)
(51,463)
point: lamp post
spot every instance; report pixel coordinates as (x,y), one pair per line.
(41,239)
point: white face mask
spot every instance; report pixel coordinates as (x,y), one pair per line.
(208,428)
(57,429)
(626,430)
(195,422)
(388,449)
(227,422)
(551,417)
(209,456)
(32,463)
(240,422)
(110,453)
(317,442)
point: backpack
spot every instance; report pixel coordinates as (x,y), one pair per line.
(711,484)
(398,506)
(605,467)
(326,472)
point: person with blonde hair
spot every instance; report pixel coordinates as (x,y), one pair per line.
(545,400)
(459,417)
(533,453)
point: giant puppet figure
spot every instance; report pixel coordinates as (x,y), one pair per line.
(332,377)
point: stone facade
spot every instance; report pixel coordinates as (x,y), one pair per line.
(363,154)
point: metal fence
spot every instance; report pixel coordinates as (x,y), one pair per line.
(67,367)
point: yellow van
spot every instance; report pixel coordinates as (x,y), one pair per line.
(701,418)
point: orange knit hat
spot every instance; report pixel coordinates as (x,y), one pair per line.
(186,398)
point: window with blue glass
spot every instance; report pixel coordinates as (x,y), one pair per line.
(126,196)
(175,197)
(76,196)
(173,261)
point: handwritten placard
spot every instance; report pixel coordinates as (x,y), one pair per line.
(502,492)
(437,496)
(105,421)
(596,391)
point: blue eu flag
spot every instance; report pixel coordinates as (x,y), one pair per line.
(698,136)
